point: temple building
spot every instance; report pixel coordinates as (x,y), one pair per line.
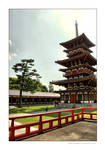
(80,82)
(29,98)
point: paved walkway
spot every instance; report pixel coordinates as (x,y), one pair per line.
(80,131)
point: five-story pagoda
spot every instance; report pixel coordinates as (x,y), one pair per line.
(80,82)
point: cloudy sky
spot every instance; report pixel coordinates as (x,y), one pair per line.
(37,33)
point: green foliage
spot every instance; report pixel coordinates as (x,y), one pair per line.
(44,88)
(24,72)
(13,83)
(35,85)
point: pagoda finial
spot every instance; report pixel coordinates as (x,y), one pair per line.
(76,28)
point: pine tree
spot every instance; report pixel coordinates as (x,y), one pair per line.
(24,72)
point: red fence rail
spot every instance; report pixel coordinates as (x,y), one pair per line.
(75,115)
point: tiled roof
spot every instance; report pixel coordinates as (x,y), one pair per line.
(36,94)
(82,36)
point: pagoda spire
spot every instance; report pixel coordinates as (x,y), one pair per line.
(76,28)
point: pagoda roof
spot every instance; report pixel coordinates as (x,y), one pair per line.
(82,38)
(64,82)
(87,57)
(78,46)
(77,66)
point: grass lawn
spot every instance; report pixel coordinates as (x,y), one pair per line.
(36,119)
(37,108)
(33,119)
(27,109)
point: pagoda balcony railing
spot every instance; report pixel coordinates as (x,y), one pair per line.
(77,72)
(79,66)
(76,52)
(77,87)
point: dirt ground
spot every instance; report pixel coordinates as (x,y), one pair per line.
(80,131)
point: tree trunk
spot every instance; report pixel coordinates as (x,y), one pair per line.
(20,98)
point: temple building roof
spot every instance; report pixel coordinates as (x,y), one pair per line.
(82,39)
(15,93)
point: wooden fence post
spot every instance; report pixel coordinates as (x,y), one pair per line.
(50,124)
(40,124)
(72,116)
(59,119)
(12,132)
(91,116)
(82,113)
(66,120)
(27,130)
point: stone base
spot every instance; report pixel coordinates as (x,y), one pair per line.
(74,105)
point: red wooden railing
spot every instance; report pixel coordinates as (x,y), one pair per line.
(73,118)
